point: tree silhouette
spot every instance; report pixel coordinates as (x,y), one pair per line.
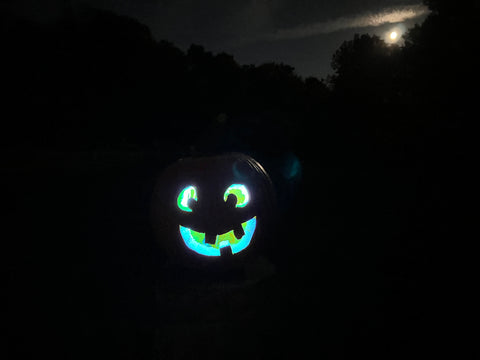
(101,80)
(445,7)
(422,87)
(441,55)
(365,70)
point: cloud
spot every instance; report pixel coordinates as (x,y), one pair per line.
(386,16)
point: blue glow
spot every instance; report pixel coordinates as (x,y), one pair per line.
(292,167)
(224,243)
(196,241)
(249,229)
(200,248)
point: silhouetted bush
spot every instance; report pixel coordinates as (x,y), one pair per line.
(94,79)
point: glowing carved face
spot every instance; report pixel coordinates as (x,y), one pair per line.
(206,243)
(207,208)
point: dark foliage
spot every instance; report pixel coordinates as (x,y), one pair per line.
(98,80)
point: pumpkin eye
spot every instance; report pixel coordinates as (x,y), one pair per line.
(241,192)
(190,192)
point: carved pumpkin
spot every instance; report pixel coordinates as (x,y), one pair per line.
(212,207)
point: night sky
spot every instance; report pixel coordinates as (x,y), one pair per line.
(301,33)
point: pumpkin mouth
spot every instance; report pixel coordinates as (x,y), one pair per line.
(195,241)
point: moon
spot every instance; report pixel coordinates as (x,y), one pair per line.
(393,36)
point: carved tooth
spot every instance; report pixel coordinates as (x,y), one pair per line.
(226,251)
(238,231)
(210,239)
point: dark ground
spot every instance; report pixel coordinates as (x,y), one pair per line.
(356,270)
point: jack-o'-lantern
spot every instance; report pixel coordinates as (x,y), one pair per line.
(212,207)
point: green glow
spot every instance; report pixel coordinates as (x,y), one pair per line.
(241,192)
(196,241)
(198,236)
(186,194)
